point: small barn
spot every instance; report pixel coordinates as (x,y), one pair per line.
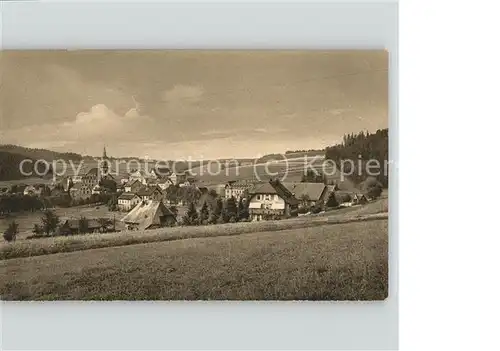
(148,215)
(72,226)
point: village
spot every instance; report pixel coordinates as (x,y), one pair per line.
(160,197)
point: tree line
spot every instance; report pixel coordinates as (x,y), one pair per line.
(363,146)
(217,212)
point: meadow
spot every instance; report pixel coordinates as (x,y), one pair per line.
(27,220)
(347,261)
(26,248)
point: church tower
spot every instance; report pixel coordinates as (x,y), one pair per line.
(104,167)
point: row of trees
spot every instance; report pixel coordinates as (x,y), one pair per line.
(229,211)
(363,146)
(185,194)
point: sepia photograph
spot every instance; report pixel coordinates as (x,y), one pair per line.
(194,175)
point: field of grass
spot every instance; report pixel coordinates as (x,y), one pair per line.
(27,220)
(327,262)
(290,171)
(26,248)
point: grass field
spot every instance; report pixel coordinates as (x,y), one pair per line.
(327,262)
(27,220)
(26,248)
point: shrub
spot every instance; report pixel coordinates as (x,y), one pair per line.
(11,232)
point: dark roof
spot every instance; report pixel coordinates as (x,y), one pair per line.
(147,191)
(144,214)
(312,190)
(283,192)
(276,187)
(74,223)
(265,188)
(127,196)
(131,182)
(93,171)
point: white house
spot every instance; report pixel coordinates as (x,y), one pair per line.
(139,175)
(271,201)
(128,201)
(33,190)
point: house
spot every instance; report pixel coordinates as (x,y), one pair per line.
(72,226)
(150,193)
(309,194)
(139,175)
(344,198)
(359,199)
(89,181)
(236,189)
(33,190)
(97,190)
(272,201)
(128,201)
(133,186)
(164,183)
(76,191)
(149,215)
(160,172)
(124,180)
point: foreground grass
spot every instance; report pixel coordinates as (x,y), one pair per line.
(329,262)
(45,246)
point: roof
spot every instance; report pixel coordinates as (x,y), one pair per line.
(276,187)
(93,171)
(131,182)
(283,192)
(127,196)
(311,190)
(145,213)
(264,188)
(76,186)
(147,191)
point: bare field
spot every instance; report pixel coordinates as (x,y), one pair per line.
(328,262)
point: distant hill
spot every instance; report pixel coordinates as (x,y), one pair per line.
(10,166)
(40,154)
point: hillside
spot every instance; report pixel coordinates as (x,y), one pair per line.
(10,166)
(352,264)
(363,147)
(40,154)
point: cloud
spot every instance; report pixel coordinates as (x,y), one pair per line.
(99,125)
(183,93)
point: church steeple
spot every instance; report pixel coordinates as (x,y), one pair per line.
(105,169)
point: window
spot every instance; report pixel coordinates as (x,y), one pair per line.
(258,197)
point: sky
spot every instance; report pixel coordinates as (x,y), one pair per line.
(190,104)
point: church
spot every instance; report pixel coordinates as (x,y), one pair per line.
(93,178)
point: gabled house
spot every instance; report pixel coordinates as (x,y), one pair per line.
(309,194)
(149,215)
(33,190)
(139,175)
(160,172)
(236,189)
(128,201)
(72,226)
(133,186)
(164,183)
(272,201)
